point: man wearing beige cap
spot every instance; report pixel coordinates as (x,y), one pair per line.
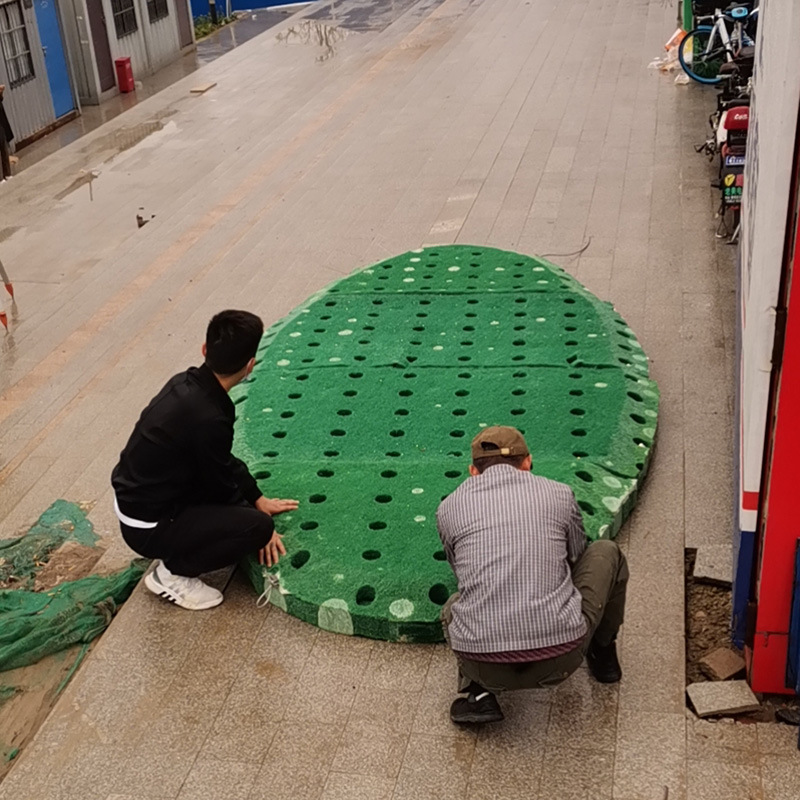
(533,599)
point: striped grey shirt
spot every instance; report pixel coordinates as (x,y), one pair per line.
(510,537)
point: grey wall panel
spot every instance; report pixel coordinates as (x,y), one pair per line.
(29,105)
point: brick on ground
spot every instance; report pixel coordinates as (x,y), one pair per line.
(722,664)
(722,698)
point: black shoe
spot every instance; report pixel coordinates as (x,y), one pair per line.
(478,706)
(603,663)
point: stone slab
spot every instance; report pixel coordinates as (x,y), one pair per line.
(722,664)
(714,564)
(718,698)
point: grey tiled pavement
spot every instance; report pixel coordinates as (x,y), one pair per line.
(524,124)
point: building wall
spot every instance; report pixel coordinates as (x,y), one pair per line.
(78,47)
(29,105)
(152,46)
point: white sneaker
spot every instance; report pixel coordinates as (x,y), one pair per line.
(189,593)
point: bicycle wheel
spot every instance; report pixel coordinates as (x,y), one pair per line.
(699,63)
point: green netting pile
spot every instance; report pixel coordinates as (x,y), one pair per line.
(365,399)
(34,624)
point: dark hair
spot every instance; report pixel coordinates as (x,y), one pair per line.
(232,339)
(513,461)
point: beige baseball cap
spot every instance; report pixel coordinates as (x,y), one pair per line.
(499,440)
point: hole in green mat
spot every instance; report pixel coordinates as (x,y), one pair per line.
(422,314)
(459,412)
(639,465)
(440,555)
(424,302)
(301,378)
(518,343)
(575,376)
(520,375)
(641,442)
(518,392)
(587,507)
(571,343)
(518,358)
(521,300)
(520,327)
(624,361)
(569,314)
(317,498)
(572,359)
(401,412)
(356,375)
(330,303)
(383,498)
(584,476)
(397,433)
(377,526)
(368,328)
(325,473)
(517,411)
(439,594)
(418,328)
(577,412)
(521,314)
(624,347)
(410,375)
(363,341)
(388,473)
(468,328)
(240,400)
(472,302)
(452,473)
(307,360)
(287,414)
(309,526)
(580,454)
(455,453)
(294,396)
(350,393)
(371,555)
(327,316)
(271,454)
(579,432)
(338,432)
(262,475)
(373,314)
(464,374)
(576,392)
(359,358)
(393,454)
(638,418)
(462,393)
(570,328)
(344,412)
(331,453)
(411,359)
(634,396)
(470,315)
(457,434)
(405,393)
(467,344)
(300,558)
(377,302)
(279,434)
(569,300)
(465,358)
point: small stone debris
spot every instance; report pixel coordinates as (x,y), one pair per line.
(721,664)
(716,699)
(202,89)
(714,564)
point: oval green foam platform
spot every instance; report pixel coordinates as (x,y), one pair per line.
(365,399)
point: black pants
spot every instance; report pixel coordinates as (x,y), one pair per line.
(5,157)
(202,538)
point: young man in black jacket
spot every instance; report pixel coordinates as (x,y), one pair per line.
(180,495)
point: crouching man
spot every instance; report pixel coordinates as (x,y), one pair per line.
(180,495)
(533,599)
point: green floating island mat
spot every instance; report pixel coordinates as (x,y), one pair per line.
(365,399)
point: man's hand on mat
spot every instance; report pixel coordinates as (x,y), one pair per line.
(273,506)
(270,555)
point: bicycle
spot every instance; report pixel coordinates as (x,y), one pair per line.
(707,47)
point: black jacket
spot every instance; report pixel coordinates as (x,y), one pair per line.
(5,124)
(179,453)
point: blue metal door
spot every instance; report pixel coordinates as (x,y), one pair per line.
(54,59)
